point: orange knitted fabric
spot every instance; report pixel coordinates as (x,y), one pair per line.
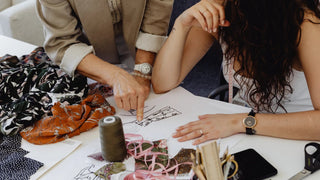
(68,120)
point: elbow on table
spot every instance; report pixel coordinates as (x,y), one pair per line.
(159,89)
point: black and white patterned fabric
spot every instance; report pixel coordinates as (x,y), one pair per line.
(29,86)
(13,164)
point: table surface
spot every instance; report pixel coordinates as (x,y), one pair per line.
(286,155)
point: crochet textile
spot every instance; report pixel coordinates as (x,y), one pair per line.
(13,164)
(68,120)
(30,85)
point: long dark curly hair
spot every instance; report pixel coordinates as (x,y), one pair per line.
(263,37)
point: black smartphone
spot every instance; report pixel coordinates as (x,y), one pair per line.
(252,166)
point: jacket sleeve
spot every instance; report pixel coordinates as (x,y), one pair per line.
(153,31)
(62,33)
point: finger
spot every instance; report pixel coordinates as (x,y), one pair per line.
(187,125)
(125,103)
(201,139)
(200,19)
(211,10)
(118,102)
(214,16)
(209,20)
(221,11)
(140,107)
(133,102)
(207,17)
(117,99)
(191,135)
(226,23)
(215,20)
(205,116)
(184,131)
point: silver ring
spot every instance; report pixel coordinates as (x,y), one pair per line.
(201,132)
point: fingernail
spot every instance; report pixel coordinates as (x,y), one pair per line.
(174,134)
(194,143)
(215,30)
(210,31)
(222,22)
(206,29)
(139,118)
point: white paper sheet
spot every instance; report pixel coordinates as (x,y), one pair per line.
(49,154)
(177,108)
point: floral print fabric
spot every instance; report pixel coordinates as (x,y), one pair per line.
(30,85)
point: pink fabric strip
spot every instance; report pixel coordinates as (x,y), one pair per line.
(151,173)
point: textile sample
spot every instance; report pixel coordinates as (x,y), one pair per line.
(29,86)
(98,88)
(13,164)
(106,171)
(184,159)
(68,120)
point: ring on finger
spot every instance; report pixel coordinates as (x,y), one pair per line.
(201,132)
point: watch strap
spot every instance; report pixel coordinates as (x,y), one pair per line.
(251,131)
(252,113)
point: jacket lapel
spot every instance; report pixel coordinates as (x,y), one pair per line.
(97,23)
(132,15)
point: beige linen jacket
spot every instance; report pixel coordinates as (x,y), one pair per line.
(75,28)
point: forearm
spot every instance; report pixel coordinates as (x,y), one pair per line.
(143,56)
(97,69)
(298,125)
(167,69)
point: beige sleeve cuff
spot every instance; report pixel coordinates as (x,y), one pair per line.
(150,42)
(73,55)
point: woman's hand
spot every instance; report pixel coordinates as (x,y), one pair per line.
(209,127)
(207,14)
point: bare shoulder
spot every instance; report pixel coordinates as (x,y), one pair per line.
(310,23)
(309,46)
(310,29)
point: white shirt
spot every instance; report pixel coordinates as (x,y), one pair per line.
(299,100)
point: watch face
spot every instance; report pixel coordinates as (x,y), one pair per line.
(145,69)
(249,121)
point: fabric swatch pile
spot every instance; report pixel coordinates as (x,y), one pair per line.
(43,103)
(29,86)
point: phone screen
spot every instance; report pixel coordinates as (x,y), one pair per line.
(252,166)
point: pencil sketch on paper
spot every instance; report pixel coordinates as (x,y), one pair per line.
(87,174)
(159,115)
(133,112)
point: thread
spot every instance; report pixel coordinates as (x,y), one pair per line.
(112,139)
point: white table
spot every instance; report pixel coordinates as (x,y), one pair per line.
(286,155)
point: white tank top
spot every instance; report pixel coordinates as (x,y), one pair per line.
(299,100)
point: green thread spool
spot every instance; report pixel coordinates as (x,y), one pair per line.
(112,139)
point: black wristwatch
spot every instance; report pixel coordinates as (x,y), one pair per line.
(250,122)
